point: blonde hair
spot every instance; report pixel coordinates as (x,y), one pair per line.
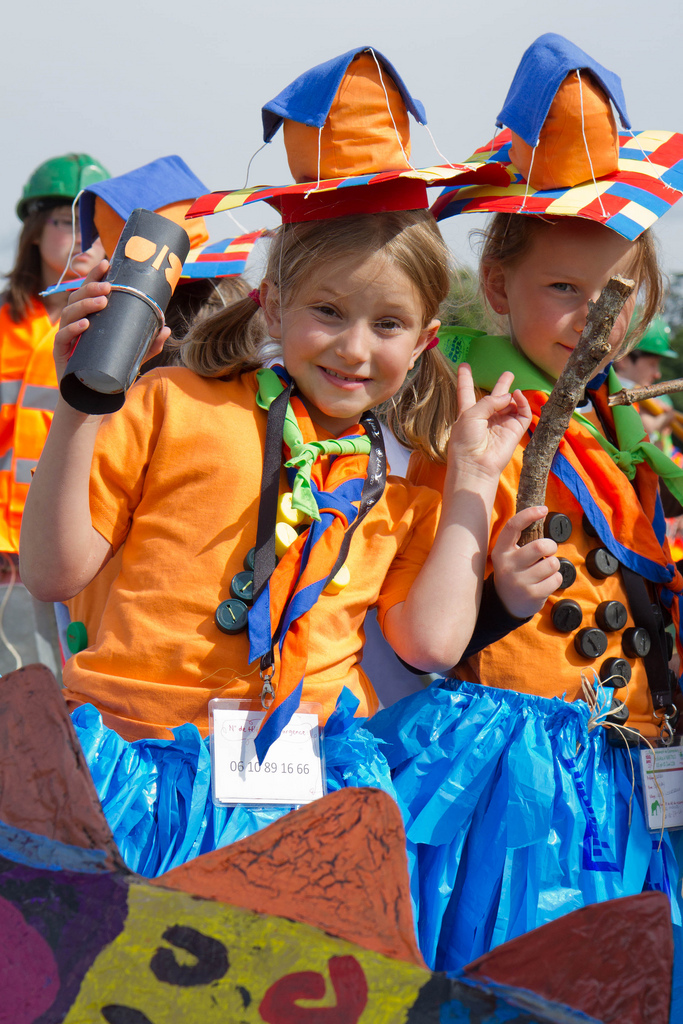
(235,340)
(509,236)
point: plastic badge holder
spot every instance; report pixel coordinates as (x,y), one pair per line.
(144,271)
(293,772)
(662,773)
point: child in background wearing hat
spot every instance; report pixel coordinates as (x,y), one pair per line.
(210,280)
(28,386)
(528,813)
(640,367)
(350,300)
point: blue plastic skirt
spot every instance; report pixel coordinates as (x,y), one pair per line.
(156,794)
(515,815)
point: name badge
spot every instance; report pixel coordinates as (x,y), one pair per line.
(662,772)
(292,773)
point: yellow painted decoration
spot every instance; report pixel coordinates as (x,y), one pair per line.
(174,270)
(183,959)
(338,582)
(285,535)
(160,258)
(287,514)
(140,249)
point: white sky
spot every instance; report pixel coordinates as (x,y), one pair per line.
(137,79)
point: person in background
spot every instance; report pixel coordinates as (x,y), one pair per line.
(641,367)
(28,385)
(211,279)
(50,235)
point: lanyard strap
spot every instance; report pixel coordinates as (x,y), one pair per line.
(264,555)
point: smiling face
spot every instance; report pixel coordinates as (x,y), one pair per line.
(545,291)
(349,336)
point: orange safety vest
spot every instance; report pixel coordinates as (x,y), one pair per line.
(28,393)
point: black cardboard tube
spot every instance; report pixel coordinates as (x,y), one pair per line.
(106,360)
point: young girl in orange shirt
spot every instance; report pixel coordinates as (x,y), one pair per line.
(520,805)
(350,302)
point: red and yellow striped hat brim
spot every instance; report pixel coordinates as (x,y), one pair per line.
(647,183)
(367,193)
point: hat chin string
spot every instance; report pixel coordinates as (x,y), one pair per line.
(67,265)
(528,179)
(585,143)
(386,96)
(444,158)
(493,144)
(635,138)
(251,159)
(317,184)
(241,228)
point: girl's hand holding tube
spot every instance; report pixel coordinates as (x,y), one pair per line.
(61,551)
(90,298)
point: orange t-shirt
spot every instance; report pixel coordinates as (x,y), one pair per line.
(535,658)
(28,393)
(18,341)
(176,482)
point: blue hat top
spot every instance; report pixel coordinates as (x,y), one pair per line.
(541,71)
(309,97)
(157,184)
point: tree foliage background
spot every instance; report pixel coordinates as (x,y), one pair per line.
(673,314)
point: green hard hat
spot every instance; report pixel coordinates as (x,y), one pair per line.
(655,341)
(60,178)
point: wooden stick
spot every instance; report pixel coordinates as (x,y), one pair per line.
(627,396)
(569,389)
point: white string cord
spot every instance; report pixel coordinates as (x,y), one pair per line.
(585,143)
(590,693)
(445,160)
(220,295)
(635,138)
(493,144)
(386,96)
(317,184)
(233,218)
(67,265)
(531,167)
(251,158)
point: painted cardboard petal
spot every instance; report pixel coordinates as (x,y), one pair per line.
(309,97)
(598,974)
(157,184)
(541,71)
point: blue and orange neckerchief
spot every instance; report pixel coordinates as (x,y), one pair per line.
(335,482)
(631,525)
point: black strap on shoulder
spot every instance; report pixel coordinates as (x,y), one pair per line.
(373,488)
(264,555)
(657,660)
